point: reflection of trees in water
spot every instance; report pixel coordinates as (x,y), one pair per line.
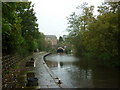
(100,76)
(72,70)
(106,77)
(84,71)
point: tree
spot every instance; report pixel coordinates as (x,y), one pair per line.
(78,27)
(11,35)
(20,29)
(60,39)
(96,36)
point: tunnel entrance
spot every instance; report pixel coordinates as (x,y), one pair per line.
(60,50)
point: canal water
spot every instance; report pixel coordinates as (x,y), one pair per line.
(74,74)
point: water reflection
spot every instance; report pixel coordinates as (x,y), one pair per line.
(76,74)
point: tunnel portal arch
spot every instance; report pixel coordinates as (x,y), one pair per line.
(60,50)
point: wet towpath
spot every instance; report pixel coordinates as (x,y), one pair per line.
(46,79)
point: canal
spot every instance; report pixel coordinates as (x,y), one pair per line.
(74,74)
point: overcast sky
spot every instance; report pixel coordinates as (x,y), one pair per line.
(51,14)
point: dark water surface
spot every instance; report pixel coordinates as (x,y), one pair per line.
(75,75)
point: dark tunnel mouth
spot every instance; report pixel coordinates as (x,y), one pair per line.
(60,50)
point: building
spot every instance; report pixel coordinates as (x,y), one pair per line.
(51,39)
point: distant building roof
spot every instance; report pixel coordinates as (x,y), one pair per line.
(50,36)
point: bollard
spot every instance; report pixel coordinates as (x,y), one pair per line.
(59,81)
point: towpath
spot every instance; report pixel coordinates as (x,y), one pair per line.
(46,78)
